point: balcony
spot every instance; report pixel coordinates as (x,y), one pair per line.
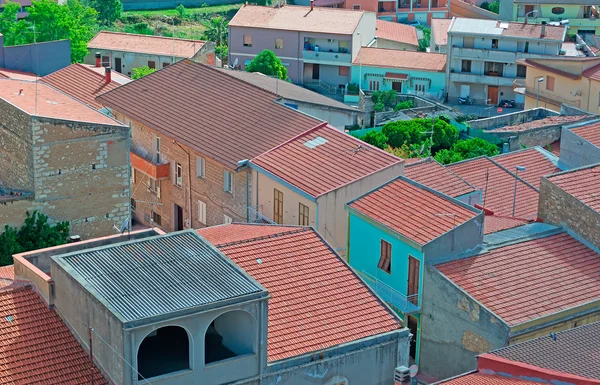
(461,77)
(406,304)
(156,171)
(493,54)
(320,57)
(549,97)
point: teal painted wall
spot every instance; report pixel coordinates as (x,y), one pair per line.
(434,81)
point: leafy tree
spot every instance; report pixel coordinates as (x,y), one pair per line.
(267,63)
(35,233)
(376,138)
(180,10)
(142,71)
(216,30)
(417,131)
(8,18)
(424,42)
(108,10)
(387,98)
(378,107)
(467,149)
(404,105)
(495,6)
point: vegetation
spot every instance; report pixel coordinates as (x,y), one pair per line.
(34,234)
(141,72)
(405,105)
(385,99)
(376,138)
(494,6)
(352,89)
(267,63)
(466,149)
(466,118)
(217,31)
(424,42)
(108,10)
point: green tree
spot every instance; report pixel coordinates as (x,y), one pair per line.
(387,98)
(108,10)
(495,6)
(180,10)
(35,233)
(216,30)
(424,42)
(467,149)
(8,22)
(267,63)
(142,71)
(376,138)
(415,132)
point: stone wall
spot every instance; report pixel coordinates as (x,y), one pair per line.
(562,209)
(16,164)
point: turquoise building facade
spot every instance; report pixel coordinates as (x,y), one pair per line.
(405,81)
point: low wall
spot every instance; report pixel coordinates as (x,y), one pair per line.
(461,8)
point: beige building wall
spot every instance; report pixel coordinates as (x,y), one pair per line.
(390,44)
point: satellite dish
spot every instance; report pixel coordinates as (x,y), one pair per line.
(235,64)
(124,226)
(414,369)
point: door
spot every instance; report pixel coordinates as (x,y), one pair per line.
(464,90)
(414,274)
(413,325)
(492,95)
(118,64)
(315,74)
(178,217)
(397,86)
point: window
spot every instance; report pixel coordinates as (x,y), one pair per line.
(373,85)
(154,187)
(277,206)
(157,149)
(356,7)
(494,43)
(165,350)
(279,43)
(343,46)
(202,212)
(230,335)
(466,66)
(178,174)
(385,257)
(420,88)
(550,83)
(200,167)
(227,219)
(133,204)
(344,71)
(303,215)
(414,275)
(558,10)
(156,218)
(132,175)
(166,65)
(521,71)
(105,61)
(493,69)
(227,181)
(247,41)
(468,42)
(152,64)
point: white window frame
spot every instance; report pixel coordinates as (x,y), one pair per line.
(201,212)
(178,174)
(228,181)
(200,167)
(227,219)
(154,187)
(157,149)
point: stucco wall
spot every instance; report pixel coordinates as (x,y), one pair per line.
(337,117)
(41,58)
(576,151)
(390,44)
(435,84)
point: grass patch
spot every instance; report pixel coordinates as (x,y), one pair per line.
(189,12)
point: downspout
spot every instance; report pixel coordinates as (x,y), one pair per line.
(189,182)
(589,94)
(300,80)
(247,193)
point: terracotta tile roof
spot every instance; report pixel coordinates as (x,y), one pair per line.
(592,73)
(146,44)
(530,279)
(555,147)
(433,175)
(575,351)
(236,232)
(590,132)
(398,32)
(440,28)
(486,379)
(81,83)
(409,60)
(324,159)
(7,276)
(219,115)
(534,31)
(10,74)
(582,184)
(51,103)
(339,308)
(533,64)
(36,347)
(495,223)
(545,122)
(115,76)
(480,27)
(297,18)
(500,183)
(416,218)
(537,162)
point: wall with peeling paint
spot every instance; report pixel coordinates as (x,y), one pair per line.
(454,328)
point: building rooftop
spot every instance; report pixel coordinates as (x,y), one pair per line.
(440,28)
(339,307)
(220,116)
(162,275)
(486,379)
(7,276)
(37,347)
(544,122)
(398,32)
(324,159)
(409,60)
(435,176)
(45,101)
(575,351)
(589,132)
(10,74)
(115,76)
(533,63)
(297,18)
(581,183)
(287,90)
(530,278)
(481,27)
(537,161)
(421,219)
(146,44)
(496,185)
(592,73)
(81,83)
(496,223)
(236,232)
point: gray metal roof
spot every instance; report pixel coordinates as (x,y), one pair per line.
(158,275)
(475,26)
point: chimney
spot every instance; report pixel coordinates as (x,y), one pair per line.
(402,376)
(543,29)
(107,75)
(312,4)
(98,56)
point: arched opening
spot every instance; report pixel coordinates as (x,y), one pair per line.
(230,335)
(165,350)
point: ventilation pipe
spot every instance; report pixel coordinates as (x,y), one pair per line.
(543,29)
(98,59)
(107,75)
(312,4)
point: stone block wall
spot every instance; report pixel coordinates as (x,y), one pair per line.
(16,166)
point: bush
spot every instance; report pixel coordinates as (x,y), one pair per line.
(444,118)
(387,98)
(424,42)
(142,71)
(404,105)
(352,89)
(376,138)
(180,10)
(467,149)
(378,107)
(466,118)
(485,5)
(495,6)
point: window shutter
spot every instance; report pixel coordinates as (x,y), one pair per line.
(202,212)
(157,189)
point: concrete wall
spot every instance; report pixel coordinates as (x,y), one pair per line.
(454,328)
(434,82)
(562,209)
(390,44)
(576,151)
(41,59)
(465,238)
(337,117)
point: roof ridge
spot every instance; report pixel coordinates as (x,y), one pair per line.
(263,237)
(149,36)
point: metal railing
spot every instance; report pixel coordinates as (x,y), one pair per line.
(255,216)
(406,304)
(326,87)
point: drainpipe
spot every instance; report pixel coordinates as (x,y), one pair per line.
(189,182)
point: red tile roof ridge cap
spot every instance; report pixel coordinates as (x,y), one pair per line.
(489,362)
(293,230)
(508,216)
(149,36)
(573,170)
(500,167)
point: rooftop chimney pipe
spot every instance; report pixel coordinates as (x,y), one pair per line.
(98,57)
(312,4)
(543,29)
(107,75)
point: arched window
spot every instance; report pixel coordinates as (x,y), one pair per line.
(165,350)
(230,335)
(558,10)
(337,380)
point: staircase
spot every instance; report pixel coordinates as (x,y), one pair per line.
(320,86)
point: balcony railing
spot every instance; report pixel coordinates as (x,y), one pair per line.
(481,79)
(154,170)
(255,216)
(322,56)
(406,304)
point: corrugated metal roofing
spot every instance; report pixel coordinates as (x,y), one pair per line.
(160,275)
